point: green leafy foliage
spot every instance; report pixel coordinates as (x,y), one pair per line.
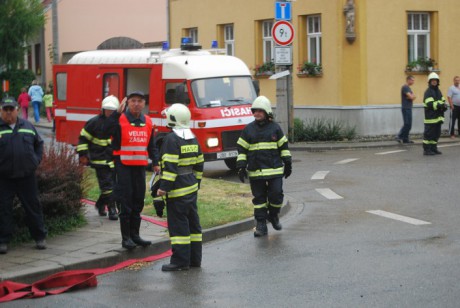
(17,79)
(59,179)
(20,21)
(321,129)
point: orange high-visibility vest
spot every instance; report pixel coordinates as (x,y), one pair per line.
(134,142)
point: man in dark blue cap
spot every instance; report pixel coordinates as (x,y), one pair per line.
(21,150)
(133,144)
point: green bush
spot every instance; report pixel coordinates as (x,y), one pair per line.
(322,129)
(17,79)
(59,179)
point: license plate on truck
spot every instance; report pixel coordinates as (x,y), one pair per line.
(227,154)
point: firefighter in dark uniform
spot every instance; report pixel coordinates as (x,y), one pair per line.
(435,106)
(264,156)
(133,144)
(181,173)
(94,149)
(21,150)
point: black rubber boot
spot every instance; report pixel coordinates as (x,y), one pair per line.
(427,150)
(113,215)
(261,228)
(126,241)
(100,206)
(435,149)
(275,221)
(134,232)
(173,268)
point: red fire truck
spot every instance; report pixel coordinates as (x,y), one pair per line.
(218,90)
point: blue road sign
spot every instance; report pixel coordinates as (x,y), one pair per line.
(283,11)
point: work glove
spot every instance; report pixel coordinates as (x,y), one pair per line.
(287,169)
(159,207)
(83,160)
(242,174)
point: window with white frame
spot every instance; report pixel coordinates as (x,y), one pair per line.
(418,36)
(229,40)
(193,33)
(314,38)
(267,40)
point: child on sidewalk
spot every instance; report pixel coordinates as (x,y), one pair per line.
(48,100)
(24,101)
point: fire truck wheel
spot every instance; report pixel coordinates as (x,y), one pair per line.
(231,163)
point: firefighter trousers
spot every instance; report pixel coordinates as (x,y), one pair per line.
(129,193)
(431,135)
(105,179)
(268,196)
(27,191)
(184,230)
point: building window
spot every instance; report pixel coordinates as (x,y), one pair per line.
(229,40)
(418,36)
(314,38)
(267,41)
(193,33)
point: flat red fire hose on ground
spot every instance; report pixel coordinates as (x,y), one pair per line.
(70,280)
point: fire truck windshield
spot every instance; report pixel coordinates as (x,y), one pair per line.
(223,91)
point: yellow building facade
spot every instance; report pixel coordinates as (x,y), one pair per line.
(361,76)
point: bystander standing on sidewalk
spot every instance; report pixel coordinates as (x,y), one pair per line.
(22,150)
(24,102)
(48,100)
(36,94)
(407,102)
(453,96)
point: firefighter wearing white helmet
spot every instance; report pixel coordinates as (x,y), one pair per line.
(181,162)
(264,157)
(110,103)
(435,106)
(94,149)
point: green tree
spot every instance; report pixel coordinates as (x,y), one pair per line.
(20,21)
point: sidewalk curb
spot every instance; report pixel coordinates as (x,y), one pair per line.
(119,255)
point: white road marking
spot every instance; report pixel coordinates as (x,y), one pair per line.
(328,193)
(345,161)
(448,145)
(390,152)
(319,175)
(409,220)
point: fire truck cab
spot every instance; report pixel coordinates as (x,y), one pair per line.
(218,90)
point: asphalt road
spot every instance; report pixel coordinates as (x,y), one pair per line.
(335,250)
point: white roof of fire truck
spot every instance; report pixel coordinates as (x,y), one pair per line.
(177,63)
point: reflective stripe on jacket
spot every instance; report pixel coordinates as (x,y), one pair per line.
(181,166)
(263,150)
(434,104)
(134,142)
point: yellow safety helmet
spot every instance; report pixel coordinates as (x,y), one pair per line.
(264,104)
(178,116)
(110,103)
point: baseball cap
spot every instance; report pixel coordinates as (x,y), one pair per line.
(9,102)
(136,93)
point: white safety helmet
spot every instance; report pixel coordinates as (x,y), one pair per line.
(264,104)
(110,103)
(178,116)
(433,75)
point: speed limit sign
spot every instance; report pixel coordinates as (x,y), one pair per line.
(283,33)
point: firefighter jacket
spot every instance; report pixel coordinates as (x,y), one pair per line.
(21,149)
(263,150)
(181,165)
(133,140)
(435,105)
(95,142)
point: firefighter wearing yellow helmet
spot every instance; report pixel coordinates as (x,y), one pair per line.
(264,157)
(435,106)
(94,149)
(181,172)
